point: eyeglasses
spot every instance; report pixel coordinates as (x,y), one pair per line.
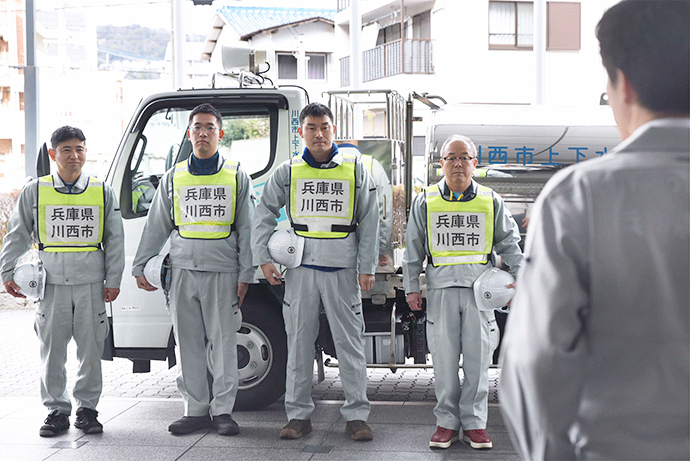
(208,129)
(456,159)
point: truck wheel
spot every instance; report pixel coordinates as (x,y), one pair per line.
(261,354)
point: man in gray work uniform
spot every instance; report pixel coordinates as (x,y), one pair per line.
(75,221)
(211,269)
(457,224)
(596,357)
(340,257)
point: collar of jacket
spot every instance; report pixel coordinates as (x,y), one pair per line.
(334,159)
(78,186)
(467,195)
(207,166)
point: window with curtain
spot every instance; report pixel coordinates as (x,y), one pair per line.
(510,25)
(287,66)
(316,66)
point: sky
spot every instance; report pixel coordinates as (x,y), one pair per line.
(158,13)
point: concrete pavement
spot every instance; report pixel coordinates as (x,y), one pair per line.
(137,408)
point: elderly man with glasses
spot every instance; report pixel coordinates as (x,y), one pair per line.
(457,224)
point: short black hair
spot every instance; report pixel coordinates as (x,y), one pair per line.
(206,108)
(315,109)
(65,133)
(649,41)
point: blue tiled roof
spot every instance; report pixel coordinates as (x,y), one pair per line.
(247,20)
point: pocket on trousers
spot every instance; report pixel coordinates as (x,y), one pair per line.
(102,326)
(494,333)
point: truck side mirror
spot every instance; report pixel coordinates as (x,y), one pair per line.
(43,161)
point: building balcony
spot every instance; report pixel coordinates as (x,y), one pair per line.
(410,56)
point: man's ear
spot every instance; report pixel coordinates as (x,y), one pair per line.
(299,130)
(629,93)
(334,128)
(51,153)
(221,133)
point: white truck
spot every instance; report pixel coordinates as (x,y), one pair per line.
(520,147)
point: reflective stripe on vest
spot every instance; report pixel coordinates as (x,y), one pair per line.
(459,232)
(368,161)
(70,222)
(322,200)
(204,205)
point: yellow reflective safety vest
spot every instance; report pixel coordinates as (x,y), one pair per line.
(459,232)
(368,162)
(70,222)
(322,201)
(204,205)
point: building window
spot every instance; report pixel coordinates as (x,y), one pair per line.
(563,26)
(21,100)
(389,34)
(316,66)
(510,25)
(287,67)
(5,146)
(5,97)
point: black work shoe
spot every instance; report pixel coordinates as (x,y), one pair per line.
(296,428)
(359,431)
(188,424)
(55,423)
(225,425)
(87,422)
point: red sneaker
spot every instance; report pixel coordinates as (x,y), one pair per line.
(443,438)
(477,438)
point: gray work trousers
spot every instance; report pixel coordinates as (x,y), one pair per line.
(455,325)
(204,307)
(306,291)
(66,312)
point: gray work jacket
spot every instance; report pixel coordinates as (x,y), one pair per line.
(506,239)
(358,250)
(231,254)
(596,357)
(66,268)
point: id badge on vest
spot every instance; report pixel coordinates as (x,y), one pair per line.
(323,198)
(72,224)
(205,203)
(457,231)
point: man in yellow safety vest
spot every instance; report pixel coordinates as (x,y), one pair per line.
(76,222)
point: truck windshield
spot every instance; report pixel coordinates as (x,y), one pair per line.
(163,142)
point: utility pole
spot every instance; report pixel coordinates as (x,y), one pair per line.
(178,42)
(355,50)
(31,125)
(540,52)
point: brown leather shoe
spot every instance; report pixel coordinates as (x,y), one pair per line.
(477,438)
(359,430)
(443,438)
(296,428)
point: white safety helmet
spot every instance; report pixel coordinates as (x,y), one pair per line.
(31,279)
(286,248)
(157,271)
(490,291)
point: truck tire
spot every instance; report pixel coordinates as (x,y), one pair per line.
(261,353)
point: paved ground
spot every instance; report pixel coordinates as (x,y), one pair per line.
(136,409)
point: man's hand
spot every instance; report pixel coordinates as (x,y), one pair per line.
(366,281)
(13,289)
(414,300)
(271,273)
(144,284)
(511,285)
(110,294)
(383,259)
(242,288)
